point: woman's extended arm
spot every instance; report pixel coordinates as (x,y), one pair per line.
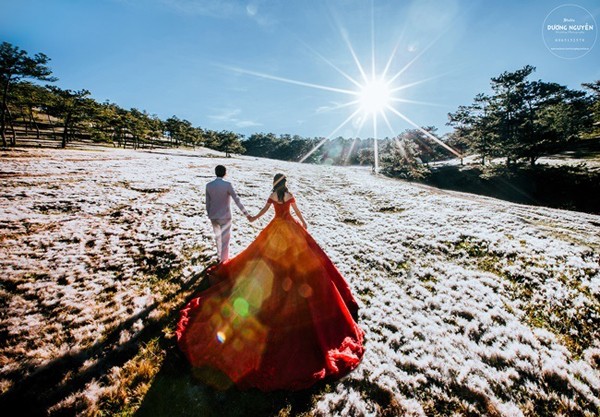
(297,211)
(263,211)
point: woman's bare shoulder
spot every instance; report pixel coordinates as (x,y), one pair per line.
(275,199)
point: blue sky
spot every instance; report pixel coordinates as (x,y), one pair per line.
(199,59)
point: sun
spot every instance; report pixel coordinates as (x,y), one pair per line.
(374,96)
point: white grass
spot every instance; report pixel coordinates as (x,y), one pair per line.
(471,303)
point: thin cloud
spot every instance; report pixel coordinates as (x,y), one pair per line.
(229,116)
(212,8)
(225,115)
(323,109)
(222,9)
(247,123)
(334,105)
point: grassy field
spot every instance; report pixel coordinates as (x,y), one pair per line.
(471,305)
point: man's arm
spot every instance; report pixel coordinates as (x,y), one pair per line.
(237,201)
(207,201)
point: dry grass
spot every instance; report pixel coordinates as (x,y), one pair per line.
(100,250)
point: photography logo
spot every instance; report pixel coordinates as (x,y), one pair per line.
(569,31)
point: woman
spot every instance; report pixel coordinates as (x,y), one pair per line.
(281,316)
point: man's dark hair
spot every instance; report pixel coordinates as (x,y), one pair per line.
(220,171)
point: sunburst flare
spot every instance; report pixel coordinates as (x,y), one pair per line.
(372,95)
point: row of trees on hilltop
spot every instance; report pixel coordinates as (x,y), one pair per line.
(520,120)
(525,120)
(33,111)
(337,151)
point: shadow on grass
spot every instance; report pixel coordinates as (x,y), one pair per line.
(565,187)
(34,393)
(175,392)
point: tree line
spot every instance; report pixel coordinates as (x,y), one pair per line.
(47,111)
(523,120)
(520,120)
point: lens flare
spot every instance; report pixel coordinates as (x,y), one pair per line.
(374,93)
(305,291)
(240,306)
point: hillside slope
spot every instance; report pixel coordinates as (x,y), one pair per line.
(470,305)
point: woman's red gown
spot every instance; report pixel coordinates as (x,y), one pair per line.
(281,315)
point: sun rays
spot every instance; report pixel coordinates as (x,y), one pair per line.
(372,95)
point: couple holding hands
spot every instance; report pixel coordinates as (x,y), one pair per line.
(279,315)
(219,194)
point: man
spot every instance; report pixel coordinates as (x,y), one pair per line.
(218,196)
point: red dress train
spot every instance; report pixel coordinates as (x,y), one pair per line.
(281,315)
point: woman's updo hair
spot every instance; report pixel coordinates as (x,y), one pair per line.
(279,186)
